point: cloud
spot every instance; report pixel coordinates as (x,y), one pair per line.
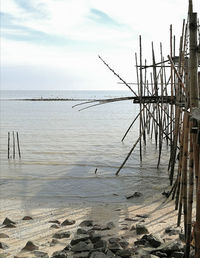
(102,18)
(68,35)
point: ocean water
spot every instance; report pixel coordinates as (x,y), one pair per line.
(62,147)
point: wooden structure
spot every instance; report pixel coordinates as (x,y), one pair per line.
(169,95)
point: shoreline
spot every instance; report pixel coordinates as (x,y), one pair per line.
(160,215)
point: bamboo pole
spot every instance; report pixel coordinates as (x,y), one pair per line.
(8,145)
(190,195)
(18,145)
(13,136)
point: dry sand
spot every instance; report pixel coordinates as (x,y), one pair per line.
(161,214)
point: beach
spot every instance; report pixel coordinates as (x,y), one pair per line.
(156,216)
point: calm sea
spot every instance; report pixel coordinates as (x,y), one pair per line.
(62,147)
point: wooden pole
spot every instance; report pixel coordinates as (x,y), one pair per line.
(13,134)
(19,152)
(8,145)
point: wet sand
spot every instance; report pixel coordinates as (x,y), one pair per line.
(161,214)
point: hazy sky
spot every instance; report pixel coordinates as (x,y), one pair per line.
(54,44)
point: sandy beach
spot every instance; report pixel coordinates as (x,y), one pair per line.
(160,214)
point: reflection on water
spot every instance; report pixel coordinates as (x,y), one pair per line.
(61,149)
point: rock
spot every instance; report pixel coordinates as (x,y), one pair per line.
(67,247)
(177,255)
(125,228)
(114,247)
(54,221)
(172,231)
(3,246)
(68,222)
(123,243)
(114,240)
(7,221)
(160,254)
(40,254)
(125,253)
(135,195)
(86,223)
(78,239)
(98,227)
(166,194)
(30,246)
(110,225)
(149,256)
(55,226)
(153,240)
(60,235)
(130,219)
(169,248)
(141,229)
(54,242)
(98,255)
(2,235)
(132,228)
(182,236)
(81,231)
(101,246)
(27,218)
(59,254)
(94,237)
(110,254)
(144,216)
(81,255)
(81,247)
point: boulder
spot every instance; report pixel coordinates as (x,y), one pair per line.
(3,246)
(81,231)
(68,222)
(135,195)
(8,221)
(101,246)
(40,254)
(54,221)
(59,254)
(30,246)
(77,239)
(3,235)
(56,226)
(114,247)
(98,255)
(81,255)
(177,255)
(27,218)
(82,247)
(125,253)
(141,229)
(153,240)
(86,223)
(172,231)
(110,225)
(60,235)
(94,237)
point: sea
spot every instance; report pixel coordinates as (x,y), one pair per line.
(71,156)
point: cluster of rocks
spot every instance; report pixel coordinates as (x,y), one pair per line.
(90,242)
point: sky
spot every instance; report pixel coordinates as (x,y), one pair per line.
(54,44)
